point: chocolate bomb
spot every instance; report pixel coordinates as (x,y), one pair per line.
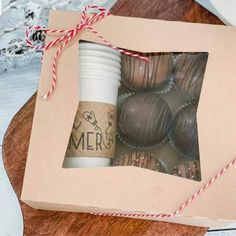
(144,119)
(139,159)
(184,131)
(189,73)
(139,74)
(189,170)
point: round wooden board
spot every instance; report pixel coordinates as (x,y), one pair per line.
(16,142)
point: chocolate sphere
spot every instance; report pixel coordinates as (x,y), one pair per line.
(144,119)
(139,74)
(139,159)
(189,73)
(189,170)
(184,132)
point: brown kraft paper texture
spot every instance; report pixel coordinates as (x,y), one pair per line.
(94,131)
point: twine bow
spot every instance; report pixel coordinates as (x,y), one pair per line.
(85,23)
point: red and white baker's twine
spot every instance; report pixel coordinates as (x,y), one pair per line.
(85,23)
(183,206)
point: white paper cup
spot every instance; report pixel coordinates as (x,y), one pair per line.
(100,73)
(102,90)
(99,82)
(83,162)
(106,55)
(108,90)
(107,75)
(110,80)
(99,67)
(97,47)
(99,60)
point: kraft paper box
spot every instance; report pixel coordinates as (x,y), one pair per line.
(131,189)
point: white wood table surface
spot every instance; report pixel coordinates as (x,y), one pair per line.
(16,88)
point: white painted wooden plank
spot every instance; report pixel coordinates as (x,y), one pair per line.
(225,11)
(10,213)
(16,88)
(222,233)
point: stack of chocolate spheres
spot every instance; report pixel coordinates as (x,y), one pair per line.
(157,113)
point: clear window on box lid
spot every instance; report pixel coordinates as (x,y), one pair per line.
(137,113)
